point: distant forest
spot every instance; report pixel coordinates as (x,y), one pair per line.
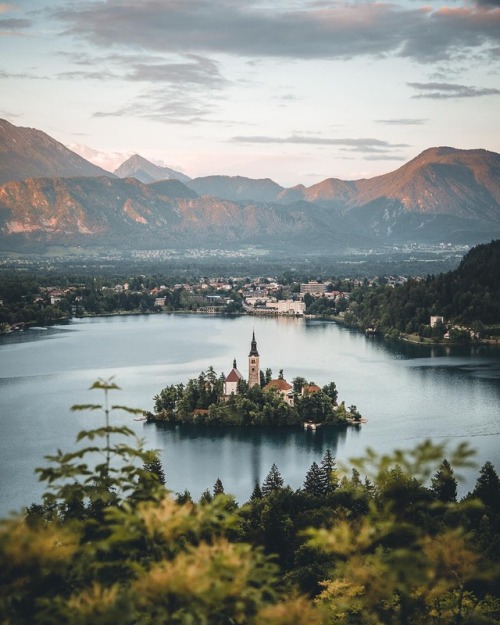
(469,295)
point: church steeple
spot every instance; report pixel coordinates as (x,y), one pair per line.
(253,364)
(253,346)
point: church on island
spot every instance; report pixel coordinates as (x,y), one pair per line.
(234,378)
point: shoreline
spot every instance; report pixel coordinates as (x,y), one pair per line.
(405,338)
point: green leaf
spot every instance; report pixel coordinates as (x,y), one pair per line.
(76,407)
(127,409)
(104,385)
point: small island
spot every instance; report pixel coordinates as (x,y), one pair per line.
(259,400)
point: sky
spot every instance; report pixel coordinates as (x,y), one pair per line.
(293,90)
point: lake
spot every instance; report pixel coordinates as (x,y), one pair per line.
(407,393)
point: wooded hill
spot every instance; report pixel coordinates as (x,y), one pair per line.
(469,295)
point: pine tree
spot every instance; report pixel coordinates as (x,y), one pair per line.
(273,481)
(256,493)
(218,488)
(444,484)
(184,497)
(153,465)
(206,497)
(488,487)
(328,469)
(314,482)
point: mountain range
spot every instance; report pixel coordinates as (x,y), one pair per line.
(50,195)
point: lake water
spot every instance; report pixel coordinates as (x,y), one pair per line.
(407,393)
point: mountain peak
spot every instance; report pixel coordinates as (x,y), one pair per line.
(139,167)
(30,153)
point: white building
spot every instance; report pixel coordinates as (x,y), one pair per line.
(289,307)
(315,288)
(231,382)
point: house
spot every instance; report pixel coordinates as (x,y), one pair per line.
(309,389)
(281,386)
(435,320)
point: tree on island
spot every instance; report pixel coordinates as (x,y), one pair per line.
(201,401)
(316,407)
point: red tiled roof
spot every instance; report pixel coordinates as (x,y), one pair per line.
(234,375)
(310,388)
(280,385)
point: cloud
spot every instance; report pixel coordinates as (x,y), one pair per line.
(249,29)
(13,26)
(355,145)
(445,90)
(107,160)
(167,105)
(180,91)
(196,70)
(404,121)
(488,3)
(191,69)
(22,75)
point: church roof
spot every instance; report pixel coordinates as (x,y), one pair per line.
(279,384)
(234,375)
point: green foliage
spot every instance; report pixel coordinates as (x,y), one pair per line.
(133,559)
(387,544)
(400,563)
(273,481)
(316,407)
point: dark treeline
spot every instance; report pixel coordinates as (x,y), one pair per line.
(468,296)
(386,543)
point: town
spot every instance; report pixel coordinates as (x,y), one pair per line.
(26,301)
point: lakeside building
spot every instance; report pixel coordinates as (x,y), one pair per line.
(283,388)
(313,288)
(289,307)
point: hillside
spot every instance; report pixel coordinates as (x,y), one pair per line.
(127,213)
(462,183)
(143,170)
(469,295)
(30,153)
(237,188)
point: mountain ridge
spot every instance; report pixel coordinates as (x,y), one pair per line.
(443,194)
(30,153)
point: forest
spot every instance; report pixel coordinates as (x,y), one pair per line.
(201,402)
(383,541)
(468,296)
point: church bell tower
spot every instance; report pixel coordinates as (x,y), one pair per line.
(253,364)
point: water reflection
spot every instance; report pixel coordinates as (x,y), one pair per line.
(242,456)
